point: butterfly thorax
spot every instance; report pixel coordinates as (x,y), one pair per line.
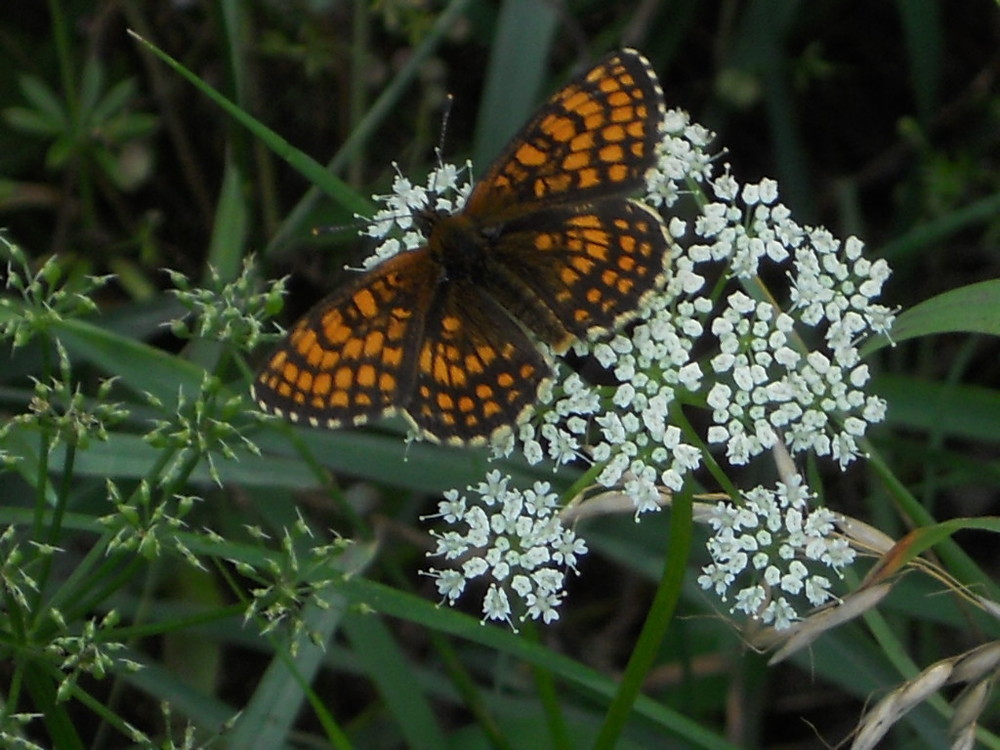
(459,245)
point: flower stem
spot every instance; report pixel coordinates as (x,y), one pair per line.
(657,621)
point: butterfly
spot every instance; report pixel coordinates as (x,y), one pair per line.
(549,247)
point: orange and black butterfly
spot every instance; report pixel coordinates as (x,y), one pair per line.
(548,246)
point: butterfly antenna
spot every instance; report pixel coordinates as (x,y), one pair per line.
(449,100)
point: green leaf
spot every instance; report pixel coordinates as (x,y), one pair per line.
(33,121)
(43,99)
(113,102)
(969,309)
(143,368)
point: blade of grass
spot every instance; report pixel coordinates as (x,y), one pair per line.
(519,53)
(365,129)
(386,664)
(300,161)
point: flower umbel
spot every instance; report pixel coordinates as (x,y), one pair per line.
(769,367)
(513,540)
(772,549)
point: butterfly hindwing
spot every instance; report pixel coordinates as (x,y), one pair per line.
(352,357)
(477,370)
(591,266)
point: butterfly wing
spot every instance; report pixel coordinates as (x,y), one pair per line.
(588,267)
(352,357)
(595,137)
(477,371)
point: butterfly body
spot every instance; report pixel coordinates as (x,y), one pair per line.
(548,246)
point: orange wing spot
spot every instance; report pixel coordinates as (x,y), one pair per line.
(305,381)
(387,382)
(366,303)
(363,399)
(440,372)
(544,241)
(366,376)
(576,160)
(582,264)
(466,404)
(392,356)
(484,391)
(451,323)
(612,154)
(618,172)
(335,331)
(575,99)
(627,263)
(353,348)
(589,178)
(445,402)
(305,340)
(374,343)
(555,184)
(568,276)
(330,358)
(322,384)
(563,130)
(596,120)
(584,141)
(473,365)
(627,243)
(486,354)
(623,114)
(594,296)
(457,375)
(530,156)
(609,278)
(591,107)
(596,237)
(614,134)
(505,380)
(621,100)
(339,399)
(290,372)
(587,221)
(343,378)
(491,409)
(598,251)
(314,356)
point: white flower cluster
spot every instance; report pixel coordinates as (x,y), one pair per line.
(765,374)
(513,539)
(774,539)
(767,386)
(398,225)
(633,440)
(682,156)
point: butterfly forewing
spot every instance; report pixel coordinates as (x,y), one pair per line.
(351,358)
(596,136)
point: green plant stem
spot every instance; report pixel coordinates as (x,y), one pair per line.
(545,684)
(55,526)
(660,614)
